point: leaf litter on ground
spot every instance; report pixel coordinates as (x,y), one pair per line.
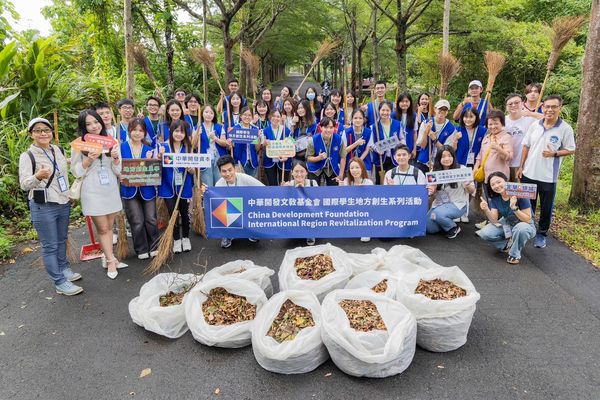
(363,315)
(291,319)
(224,308)
(314,267)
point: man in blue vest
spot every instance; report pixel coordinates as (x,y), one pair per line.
(326,155)
(473,100)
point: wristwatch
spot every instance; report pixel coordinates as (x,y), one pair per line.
(556,154)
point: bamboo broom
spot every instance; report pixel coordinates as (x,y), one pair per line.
(324,49)
(376,123)
(202,56)
(449,68)
(198,223)
(253,64)
(122,243)
(165,244)
(563,30)
(139,54)
(494,62)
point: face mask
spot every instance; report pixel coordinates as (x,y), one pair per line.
(310,96)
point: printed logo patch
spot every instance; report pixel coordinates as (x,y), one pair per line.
(227,212)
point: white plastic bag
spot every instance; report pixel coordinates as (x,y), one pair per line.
(443,325)
(244,269)
(231,336)
(368,279)
(402,259)
(375,354)
(289,279)
(302,354)
(145,310)
(360,263)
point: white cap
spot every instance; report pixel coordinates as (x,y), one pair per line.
(38,120)
(477,83)
(442,103)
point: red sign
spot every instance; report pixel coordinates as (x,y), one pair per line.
(107,142)
(79,146)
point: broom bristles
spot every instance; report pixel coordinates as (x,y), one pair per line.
(253,63)
(449,68)
(165,246)
(71,254)
(162,213)
(198,224)
(139,54)
(324,50)
(563,30)
(202,56)
(494,62)
(122,244)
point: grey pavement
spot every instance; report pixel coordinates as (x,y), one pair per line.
(534,334)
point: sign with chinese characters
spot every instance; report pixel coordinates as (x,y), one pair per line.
(107,142)
(243,135)
(281,148)
(522,190)
(79,146)
(302,143)
(383,145)
(141,172)
(186,160)
(326,212)
(450,176)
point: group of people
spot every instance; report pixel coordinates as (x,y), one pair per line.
(336,143)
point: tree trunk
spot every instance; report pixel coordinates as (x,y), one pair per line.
(204,41)
(170,50)
(446,28)
(359,55)
(375,44)
(129,61)
(401,56)
(585,189)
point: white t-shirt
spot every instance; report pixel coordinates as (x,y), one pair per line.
(241,180)
(405,178)
(365,182)
(537,139)
(517,129)
(447,194)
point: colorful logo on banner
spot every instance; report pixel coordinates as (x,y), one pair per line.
(227,212)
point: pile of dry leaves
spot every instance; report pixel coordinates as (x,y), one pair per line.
(438,289)
(363,315)
(171,298)
(381,287)
(224,308)
(314,267)
(291,319)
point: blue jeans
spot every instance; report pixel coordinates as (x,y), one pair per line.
(250,170)
(51,221)
(441,217)
(521,233)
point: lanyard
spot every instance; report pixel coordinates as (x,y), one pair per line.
(397,173)
(53,161)
(472,141)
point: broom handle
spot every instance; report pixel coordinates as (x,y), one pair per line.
(56,126)
(542,90)
(486,100)
(312,66)
(176,209)
(381,172)
(88,221)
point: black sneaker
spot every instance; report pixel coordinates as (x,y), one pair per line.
(225,243)
(452,233)
(253,240)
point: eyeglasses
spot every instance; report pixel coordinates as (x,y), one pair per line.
(180,94)
(550,107)
(126,108)
(513,103)
(152,105)
(38,131)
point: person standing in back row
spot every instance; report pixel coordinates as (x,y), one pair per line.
(544,146)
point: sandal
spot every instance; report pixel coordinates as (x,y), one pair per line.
(113,274)
(513,260)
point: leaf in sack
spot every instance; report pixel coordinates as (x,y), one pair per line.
(314,267)
(381,287)
(224,308)
(217,391)
(441,367)
(145,372)
(363,315)
(172,298)
(327,375)
(291,319)
(438,289)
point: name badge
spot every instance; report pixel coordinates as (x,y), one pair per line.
(178,178)
(103,176)
(62,184)
(507,231)
(471,158)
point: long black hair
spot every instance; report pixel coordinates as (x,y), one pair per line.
(437,162)
(81,126)
(410,113)
(495,174)
(170,103)
(186,139)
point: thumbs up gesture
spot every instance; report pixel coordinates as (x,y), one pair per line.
(549,151)
(43,172)
(484,204)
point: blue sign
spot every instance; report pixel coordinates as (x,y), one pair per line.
(321,212)
(243,135)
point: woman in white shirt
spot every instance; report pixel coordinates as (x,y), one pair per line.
(358,176)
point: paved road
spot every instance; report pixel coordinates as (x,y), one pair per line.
(534,334)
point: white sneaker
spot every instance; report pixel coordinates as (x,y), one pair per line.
(365,239)
(186,244)
(456,219)
(143,256)
(177,246)
(481,225)
(464,219)
(115,238)
(153,253)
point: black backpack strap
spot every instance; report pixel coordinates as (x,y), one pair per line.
(33,164)
(415,174)
(32,158)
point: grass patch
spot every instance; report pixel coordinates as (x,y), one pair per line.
(580,231)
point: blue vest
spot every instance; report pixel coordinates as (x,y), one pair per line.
(167,188)
(243,103)
(442,134)
(167,132)
(409,133)
(462,149)
(360,150)
(151,132)
(333,156)
(226,121)
(373,114)
(123,132)
(395,129)
(310,131)
(188,119)
(129,192)
(270,135)
(482,110)
(240,152)
(218,131)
